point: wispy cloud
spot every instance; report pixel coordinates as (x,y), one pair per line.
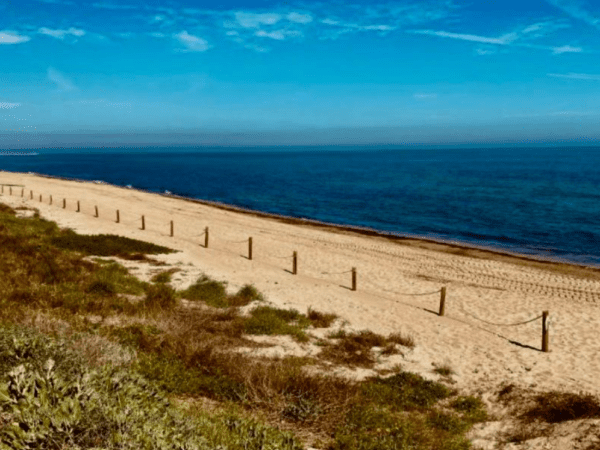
(191,43)
(521,37)
(576,10)
(278,35)
(62,82)
(254,20)
(566,49)
(576,76)
(10,37)
(502,40)
(297,17)
(105,5)
(425,96)
(7,105)
(61,34)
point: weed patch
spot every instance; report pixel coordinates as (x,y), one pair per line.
(105,244)
(319,319)
(266,320)
(555,407)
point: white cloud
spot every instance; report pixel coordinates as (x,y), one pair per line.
(502,40)
(113,6)
(60,34)
(192,43)
(485,51)
(253,20)
(10,37)
(575,10)
(542,29)
(330,22)
(566,49)
(278,35)
(62,82)
(6,105)
(576,76)
(299,17)
(158,35)
(425,96)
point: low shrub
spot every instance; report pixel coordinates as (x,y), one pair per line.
(248,293)
(555,407)
(444,370)
(266,320)
(404,391)
(105,244)
(208,291)
(160,297)
(401,339)
(319,319)
(164,276)
(472,408)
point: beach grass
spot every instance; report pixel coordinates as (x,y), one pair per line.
(155,355)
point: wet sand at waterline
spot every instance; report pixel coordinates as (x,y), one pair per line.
(486,292)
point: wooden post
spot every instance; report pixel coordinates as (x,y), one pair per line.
(249,248)
(10,190)
(3,189)
(118,216)
(295,263)
(443,301)
(50,199)
(354,278)
(78,206)
(22,192)
(40,197)
(64,203)
(172,230)
(143,223)
(545,331)
(96,207)
(206,237)
(30,195)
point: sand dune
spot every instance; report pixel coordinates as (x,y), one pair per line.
(484,289)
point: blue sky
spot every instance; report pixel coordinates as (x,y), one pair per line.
(299,72)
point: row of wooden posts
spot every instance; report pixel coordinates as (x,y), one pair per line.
(442,309)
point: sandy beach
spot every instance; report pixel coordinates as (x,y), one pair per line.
(487,292)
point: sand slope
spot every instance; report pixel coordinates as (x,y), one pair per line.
(483,289)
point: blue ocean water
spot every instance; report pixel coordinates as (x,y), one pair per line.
(533,201)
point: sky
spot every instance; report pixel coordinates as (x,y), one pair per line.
(263,72)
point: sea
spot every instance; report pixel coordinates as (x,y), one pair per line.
(539,202)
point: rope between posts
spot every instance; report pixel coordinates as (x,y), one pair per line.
(231,242)
(279,257)
(500,324)
(335,273)
(415,295)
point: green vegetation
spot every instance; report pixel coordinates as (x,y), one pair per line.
(355,349)
(319,319)
(71,380)
(268,321)
(164,276)
(444,370)
(555,407)
(105,244)
(213,293)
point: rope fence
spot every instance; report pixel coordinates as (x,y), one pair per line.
(442,306)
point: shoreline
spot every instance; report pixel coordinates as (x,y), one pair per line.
(488,293)
(446,246)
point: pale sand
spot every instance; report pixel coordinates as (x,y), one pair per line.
(493,287)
